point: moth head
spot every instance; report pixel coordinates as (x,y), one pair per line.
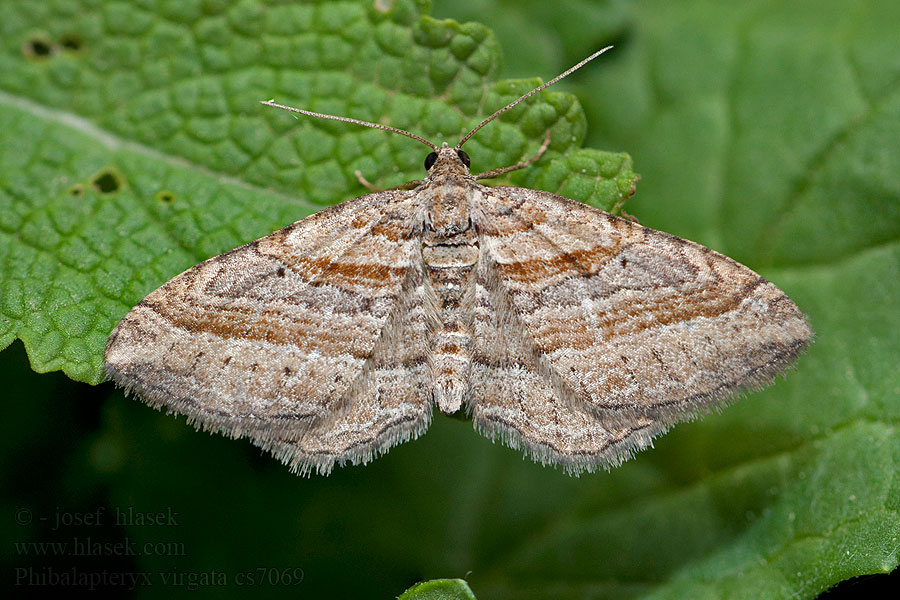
(454,154)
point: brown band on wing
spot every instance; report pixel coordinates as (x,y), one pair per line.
(266,326)
(538,269)
(638,316)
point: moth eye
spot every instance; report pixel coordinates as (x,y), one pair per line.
(430,160)
(463,157)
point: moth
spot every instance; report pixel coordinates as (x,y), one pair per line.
(557,328)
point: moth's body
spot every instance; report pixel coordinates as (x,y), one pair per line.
(450,255)
(559,328)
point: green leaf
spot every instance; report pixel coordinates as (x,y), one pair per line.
(133,144)
(539,36)
(765,130)
(439,589)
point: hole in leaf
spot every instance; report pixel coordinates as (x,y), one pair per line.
(165,196)
(107,180)
(77,190)
(37,46)
(71,42)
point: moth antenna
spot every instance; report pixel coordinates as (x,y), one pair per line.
(310,113)
(529,95)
